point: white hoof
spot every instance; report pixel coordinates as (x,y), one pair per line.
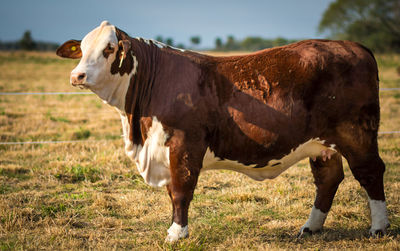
(379,218)
(314,223)
(376,233)
(176,232)
(305,231)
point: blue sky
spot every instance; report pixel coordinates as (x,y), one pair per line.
(57,21)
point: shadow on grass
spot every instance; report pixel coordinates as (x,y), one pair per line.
(326,235)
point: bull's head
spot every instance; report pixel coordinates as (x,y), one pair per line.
(106,56)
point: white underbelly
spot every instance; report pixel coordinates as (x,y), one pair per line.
(312,148)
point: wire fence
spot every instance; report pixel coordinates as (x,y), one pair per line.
(91,93)
(99,140)
(44,93)
(104,140)
(50,142)
(388,89)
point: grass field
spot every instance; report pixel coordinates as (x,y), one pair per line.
(89,195)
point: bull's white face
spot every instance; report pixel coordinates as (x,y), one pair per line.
(98,52)
(95,63)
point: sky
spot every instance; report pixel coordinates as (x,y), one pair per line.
(61,20)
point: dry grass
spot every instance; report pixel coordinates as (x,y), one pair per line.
(90,196)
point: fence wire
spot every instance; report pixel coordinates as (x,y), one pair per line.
(91,93)
(49,142)
(99,140)
(388,89)
(43,93)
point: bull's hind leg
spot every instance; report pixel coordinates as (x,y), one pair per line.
(368,169)
(327,176)
(359,145)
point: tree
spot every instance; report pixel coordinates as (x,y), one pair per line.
(231,43)
(195,40)
(26,42)
(169,41)
(218,43)
(255,43)
(159,38)
(374,23)
(181,46)
(279,41)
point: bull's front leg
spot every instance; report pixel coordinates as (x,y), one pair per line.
(180,207)
(185,165)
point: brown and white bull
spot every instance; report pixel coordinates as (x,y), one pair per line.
(257,114)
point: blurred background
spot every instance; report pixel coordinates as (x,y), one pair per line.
(203,25)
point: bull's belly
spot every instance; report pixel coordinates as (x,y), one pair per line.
(152,159)
(312,148)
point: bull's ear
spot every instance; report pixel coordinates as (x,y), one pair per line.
(70,49)
(124,47)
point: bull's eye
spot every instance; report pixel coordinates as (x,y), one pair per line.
(108,50)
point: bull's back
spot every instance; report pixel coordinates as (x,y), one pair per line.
(277,99)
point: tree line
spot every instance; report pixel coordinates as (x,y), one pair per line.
(231,43)
(249,43)
(27,43)
(373,23)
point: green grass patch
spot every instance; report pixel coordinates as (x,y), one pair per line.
(59,119)
(78,173)
(52,210)
(76,196)
(273,214)
(14,115)
(56,119)
(7,245)
(112,137)
(81,134)
(17,173)
(4,189)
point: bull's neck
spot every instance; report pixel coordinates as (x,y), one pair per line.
(147,56)
(138,96)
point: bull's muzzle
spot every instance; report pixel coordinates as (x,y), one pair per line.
(77,78)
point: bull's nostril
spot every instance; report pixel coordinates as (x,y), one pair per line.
(81,76)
